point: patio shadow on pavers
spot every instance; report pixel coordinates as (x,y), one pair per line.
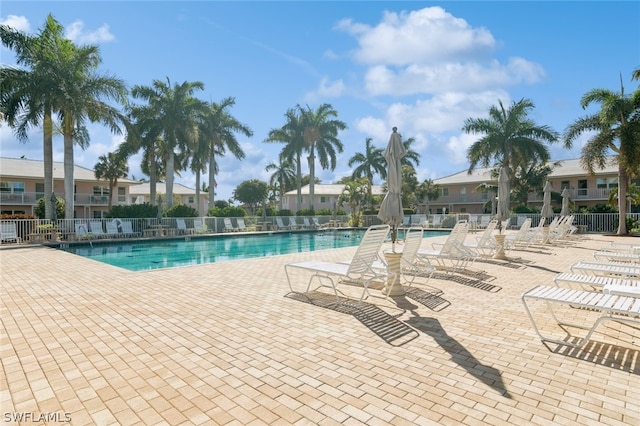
(430,299)
(600,353)
(468,281)
(387,327)
(488,375)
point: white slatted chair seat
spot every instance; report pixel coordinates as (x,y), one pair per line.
(360,270)
(611,306)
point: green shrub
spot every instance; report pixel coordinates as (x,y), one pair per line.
(449,222)
(284,212)
(40,208)
(229,211)
(133,211)
(523,209)
(603,208)
(181,210)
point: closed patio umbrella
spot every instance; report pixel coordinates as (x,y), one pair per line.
(504,196)
(565,202)
(391,208)
(547,211)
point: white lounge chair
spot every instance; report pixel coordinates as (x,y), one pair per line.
(112,229)
(316,223)
(181,226)
(199,226)
(242,226)
(484,221)
(485,245)
(95,227)
(452,250)
(9,232)
(593,282)
(520,238)
(612,306)
(280,224)
(127,229)
(360,270)
(607,269)
(293,223)
(228,226)
(410,263)
(81,229)
(616,257)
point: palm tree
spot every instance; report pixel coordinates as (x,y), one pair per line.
(111,167)
(510,140)
(282,178)
(618,121)
(219,128)
(142,136)
(411,157)
(369,164)
(291,134)
(428,190)
(25,94)
(174,113)
(83,96)
(354,194)
(320,134)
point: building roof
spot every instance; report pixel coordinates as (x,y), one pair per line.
(34,169)
(332,189)
(144,188)
(566,168)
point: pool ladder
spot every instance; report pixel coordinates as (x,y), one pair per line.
(86,231)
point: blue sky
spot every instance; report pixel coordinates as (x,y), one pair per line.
(421,66)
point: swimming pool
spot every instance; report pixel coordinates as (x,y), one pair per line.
(170,253)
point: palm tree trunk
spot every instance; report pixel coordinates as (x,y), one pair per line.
(47,147)
(169,180)
(299,182)
(212,178)
(623,187)
(68,174)
(153,178)
(198,191)
(312,170)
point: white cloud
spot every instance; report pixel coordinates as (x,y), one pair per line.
(326,89)
(452,76)
(75,32)
(417,36)
(18,23)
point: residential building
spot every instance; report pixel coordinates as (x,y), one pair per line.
(460,193)
(22,185)
(141,193)
(325,197)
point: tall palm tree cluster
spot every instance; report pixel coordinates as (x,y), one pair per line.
(56,85)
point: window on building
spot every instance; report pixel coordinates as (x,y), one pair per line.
(324,199)
(122,194)
(39,190)
(12,187)
(606,183)
(564,184)
(100,190)
(191,199)
(582,188)
(445,192)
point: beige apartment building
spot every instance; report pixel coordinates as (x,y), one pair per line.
(22,185)
(459,192)
(325,197)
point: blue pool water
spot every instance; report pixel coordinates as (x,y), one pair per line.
(171,253)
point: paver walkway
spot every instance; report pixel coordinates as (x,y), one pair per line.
(224,344)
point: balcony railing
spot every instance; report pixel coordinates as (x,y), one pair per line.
(597,194)
(31,198)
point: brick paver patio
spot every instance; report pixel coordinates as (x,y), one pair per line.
(88,343)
